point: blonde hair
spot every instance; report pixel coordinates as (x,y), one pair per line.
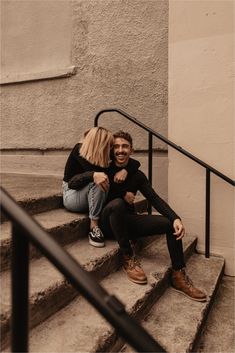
(96,146)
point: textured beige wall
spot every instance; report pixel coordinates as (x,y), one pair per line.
(35,37)
(120,51)
(201,117)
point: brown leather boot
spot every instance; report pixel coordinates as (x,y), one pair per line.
(133,270)
(183,284)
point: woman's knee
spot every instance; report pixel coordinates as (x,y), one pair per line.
(75,201)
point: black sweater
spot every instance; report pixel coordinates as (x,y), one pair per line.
(139,182)
(79,172)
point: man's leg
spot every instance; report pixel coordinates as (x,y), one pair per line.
(146,225)
(141,225)
(113,223)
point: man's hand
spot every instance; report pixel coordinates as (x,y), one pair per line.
(102,180)
(120,176)
(129,197)
(179,229)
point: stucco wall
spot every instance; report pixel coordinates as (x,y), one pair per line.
(120,51)
(35,38)
(201,117)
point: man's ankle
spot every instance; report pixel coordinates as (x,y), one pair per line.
(183,284)
(133,269)
(93,223)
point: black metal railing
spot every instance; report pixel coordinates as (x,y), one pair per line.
(24,230)
(208,168)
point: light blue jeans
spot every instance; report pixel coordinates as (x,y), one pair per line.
(89,199)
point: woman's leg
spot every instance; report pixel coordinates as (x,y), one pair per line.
(96,201)
(89,199)
(75,200)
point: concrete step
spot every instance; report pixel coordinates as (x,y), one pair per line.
(39,193)
(49,291)
(79,328)
(222,313)
(36,193)
(176,321)
(64,226)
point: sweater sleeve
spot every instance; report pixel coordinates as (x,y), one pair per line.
(141,183)
(78,181)
(78,171)
(132,166)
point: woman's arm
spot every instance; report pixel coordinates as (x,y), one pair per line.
(78,181)
(78,171)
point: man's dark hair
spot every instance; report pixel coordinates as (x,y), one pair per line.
(123,135)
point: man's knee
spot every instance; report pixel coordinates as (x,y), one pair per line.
(118,204)
(169,226)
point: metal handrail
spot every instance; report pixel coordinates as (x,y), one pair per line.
(209,169)
(25,230)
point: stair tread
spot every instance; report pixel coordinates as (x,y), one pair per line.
(52,219)
(48,219)
(40,284)
(174,320)
(79,328)
(25,187)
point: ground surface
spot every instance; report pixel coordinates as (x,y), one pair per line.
(219,333)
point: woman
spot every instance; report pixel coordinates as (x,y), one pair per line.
(85,183)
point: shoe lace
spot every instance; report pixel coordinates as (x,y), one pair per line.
(134,261)
(97,232)
(188,281)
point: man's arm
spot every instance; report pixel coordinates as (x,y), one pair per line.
(141,183)
(130,169)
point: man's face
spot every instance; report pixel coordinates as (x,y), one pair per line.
(122,151)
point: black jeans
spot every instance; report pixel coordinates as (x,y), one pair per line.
(116,222)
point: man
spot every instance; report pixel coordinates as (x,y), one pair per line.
(119,219)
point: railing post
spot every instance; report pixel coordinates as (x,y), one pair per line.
(20,290)
(150,164)
(207,226)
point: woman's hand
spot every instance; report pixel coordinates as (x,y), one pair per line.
(120,176)
(179,229)
(102,180)
(129,197)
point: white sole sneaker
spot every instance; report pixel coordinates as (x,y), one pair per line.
(96,244)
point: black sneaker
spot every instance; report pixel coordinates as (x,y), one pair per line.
(96,237)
